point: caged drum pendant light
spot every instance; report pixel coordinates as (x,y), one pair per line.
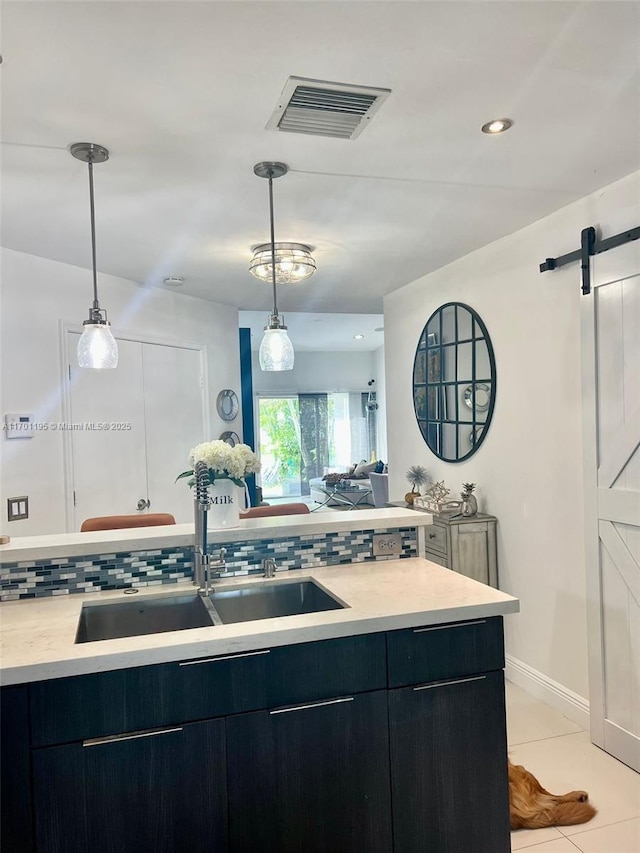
(97,347)
(294,262)
(276,351)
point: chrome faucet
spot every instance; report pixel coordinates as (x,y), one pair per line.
(202,563)
(269,566)
(220,564)
(201,559)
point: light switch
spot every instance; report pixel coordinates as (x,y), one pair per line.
(17,508)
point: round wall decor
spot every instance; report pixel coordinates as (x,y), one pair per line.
(454,382)
(231,438)
(227,404)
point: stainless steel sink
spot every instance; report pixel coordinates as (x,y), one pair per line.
(154,615)
(111,620)
(265,601)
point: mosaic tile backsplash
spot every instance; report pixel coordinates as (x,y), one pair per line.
(63,576)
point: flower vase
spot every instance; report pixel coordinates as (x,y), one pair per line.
(224,505)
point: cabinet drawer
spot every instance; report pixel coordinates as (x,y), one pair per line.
(89,706)
(435,538)
(420,655)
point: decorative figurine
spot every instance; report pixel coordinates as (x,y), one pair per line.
(469,502)
(417,476)
(436,496)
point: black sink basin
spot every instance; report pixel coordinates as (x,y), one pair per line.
(265,601)
(147,616)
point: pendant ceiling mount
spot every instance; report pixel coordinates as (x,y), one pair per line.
(97,347)
(269,169)
(89,152)
(276,350)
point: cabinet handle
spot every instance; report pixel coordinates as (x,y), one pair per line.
(432,536)
(225,657)
(98,741)
(312,705)
(455,625)
(447,683)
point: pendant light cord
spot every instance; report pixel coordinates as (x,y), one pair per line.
(96,304)
(273,244)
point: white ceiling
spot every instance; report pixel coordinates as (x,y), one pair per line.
(321,332)
(181,92)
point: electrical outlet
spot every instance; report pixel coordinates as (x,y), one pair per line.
(386,544)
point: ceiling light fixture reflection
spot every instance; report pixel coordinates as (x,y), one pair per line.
(97,347)
(497,125)
(276,350)
(294,262)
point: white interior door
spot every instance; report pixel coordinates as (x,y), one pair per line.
(133,429)
(174,417)
(107,435)
(611,345)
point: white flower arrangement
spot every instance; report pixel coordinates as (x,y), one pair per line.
(223,461)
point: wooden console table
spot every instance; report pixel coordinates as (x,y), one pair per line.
(466,545)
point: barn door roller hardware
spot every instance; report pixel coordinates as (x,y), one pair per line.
(589,245)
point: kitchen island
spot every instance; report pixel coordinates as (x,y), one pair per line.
(372,728)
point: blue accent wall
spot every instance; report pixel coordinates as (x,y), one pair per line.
(246,386)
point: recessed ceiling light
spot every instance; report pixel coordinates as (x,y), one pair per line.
(497,125)
(173,281)
(379,329)
(358,337)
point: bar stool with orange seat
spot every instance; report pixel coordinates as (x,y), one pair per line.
(118,522)
(277,509)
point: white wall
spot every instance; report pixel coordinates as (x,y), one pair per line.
(529,468)
(314,372)
(36,294)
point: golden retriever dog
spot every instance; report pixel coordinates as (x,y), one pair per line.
(531,807)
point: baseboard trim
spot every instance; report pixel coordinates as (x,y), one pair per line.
(573,706)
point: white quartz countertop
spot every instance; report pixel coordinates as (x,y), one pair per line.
(37,636)
(51,546)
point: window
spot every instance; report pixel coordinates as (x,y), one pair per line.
(303,436)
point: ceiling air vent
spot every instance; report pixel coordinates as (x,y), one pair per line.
(325,109)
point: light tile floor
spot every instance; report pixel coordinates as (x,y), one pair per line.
(561,755)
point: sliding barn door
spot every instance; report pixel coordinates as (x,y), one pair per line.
(611,385)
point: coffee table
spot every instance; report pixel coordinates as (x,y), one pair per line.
(349,496)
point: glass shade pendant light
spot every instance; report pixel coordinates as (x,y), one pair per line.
(97,347)
(276,351)
(294,262)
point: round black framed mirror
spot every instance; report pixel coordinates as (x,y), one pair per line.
(454,382)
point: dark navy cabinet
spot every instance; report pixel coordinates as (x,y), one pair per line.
(382,743)
(158,791)
(448,766)
(311,778)
(16,831)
